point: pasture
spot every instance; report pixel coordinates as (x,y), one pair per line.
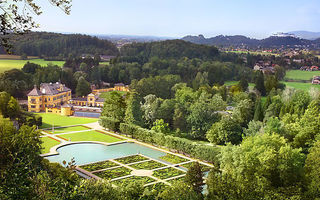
(301,75)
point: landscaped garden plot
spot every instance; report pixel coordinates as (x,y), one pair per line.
(173,159)
(91,136)
(126,181)
(113,173)
(167,173)
(67,129)
(131,159)
(148,165)
(176,180)
(158,187)
(49,119)
(204,168)
(98,165)
(47,143)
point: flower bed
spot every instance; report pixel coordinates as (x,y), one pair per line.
(173,159)
(167,173)
(131,159)
(98,165)
(126,181)
(148,165)
(113,173)
(204,168)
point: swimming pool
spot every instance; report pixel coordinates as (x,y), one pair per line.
(85,153)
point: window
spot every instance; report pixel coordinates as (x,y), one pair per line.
(33,106)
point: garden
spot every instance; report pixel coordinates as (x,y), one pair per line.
(148,165)
(49,120)
(98,166)
(167,173)
(47,143)
(67,129)
(90,136)
(173,159)
(131,159)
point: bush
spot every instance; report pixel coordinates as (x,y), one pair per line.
(181,145)
(110,123)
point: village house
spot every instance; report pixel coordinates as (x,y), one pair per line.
(316,80)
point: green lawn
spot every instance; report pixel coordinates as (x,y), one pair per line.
(301,75)
(300,86)
(7,64)
(105,94)
(47,144)
(90,136)
(57,120)
(69,129)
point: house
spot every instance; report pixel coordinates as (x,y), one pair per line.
(91,100)
(314,68)
(117,87)
(50,95)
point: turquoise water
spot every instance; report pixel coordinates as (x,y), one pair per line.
(85,153)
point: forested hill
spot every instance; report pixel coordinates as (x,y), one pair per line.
(239,40)
(142,52)
(60,45)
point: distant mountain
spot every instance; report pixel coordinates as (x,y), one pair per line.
(239,40)
(131,38)
(306,34)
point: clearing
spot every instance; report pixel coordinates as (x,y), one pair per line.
(7,64)
(301,75)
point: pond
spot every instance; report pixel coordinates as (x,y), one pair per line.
(85,153)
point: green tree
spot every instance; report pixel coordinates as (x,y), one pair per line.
(150,108)
(259,81)
(160,126)
(244,112)
(312,167)
(243,84)
(179,191)
(254,128)
(133,113)
(114,106)
(83,87)
(194,178)
(226,130)
(258,113)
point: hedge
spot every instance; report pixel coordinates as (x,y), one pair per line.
(181,145)
(109,123)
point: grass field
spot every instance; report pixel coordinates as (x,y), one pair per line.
(7,64)
(106,94)
(301,75)
(90,136)
(47,144)
(301,86)
(69,129)
(49,119)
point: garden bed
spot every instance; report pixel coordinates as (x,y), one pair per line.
(167,173)
(113,173)
(148,165)
(131,159)
(98,165)
(143,179)
(173,159)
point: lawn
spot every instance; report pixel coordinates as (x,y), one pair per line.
(106,94)
(301,75)
(90,136)
(7,64)
(301,86)
(49,119)
(47,144)
(68,129)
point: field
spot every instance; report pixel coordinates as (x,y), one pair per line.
(301,86)
(301,75)
(68,129)
(253,52)
(106,94)
(90,136)
(47,144)
(7,64)
(49,119)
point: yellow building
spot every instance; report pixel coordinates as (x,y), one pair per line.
(50,95)
(91,100)
(117,87)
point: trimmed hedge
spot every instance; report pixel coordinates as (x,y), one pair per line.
(110,123)
(181,145)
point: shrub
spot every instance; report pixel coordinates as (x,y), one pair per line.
(110,123)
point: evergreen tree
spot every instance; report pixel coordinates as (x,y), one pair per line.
(133,113)
(243,84)
(258,113)
(194,178)
(260,83)
(83,87)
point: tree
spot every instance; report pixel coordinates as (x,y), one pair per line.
(179,191)
(254,128)
(16,17)
(226,130)
(194,178)
(160,126)
(114,106)
(83,87)
(150,108)
(133,113)
(244,112)
(30,68)
(243,84)
(312,167)
(259,81)
(258,113)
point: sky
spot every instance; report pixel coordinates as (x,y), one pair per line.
(178,18)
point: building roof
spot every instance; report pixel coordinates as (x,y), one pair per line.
(35,92)
(79,99)
(66,105)
(53,88)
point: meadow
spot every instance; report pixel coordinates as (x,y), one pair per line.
(301,75)
(7,64)
(301,86)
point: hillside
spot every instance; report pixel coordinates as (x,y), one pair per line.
(55,44)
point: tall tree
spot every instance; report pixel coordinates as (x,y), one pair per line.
(259,81)
(194,178)
(114,106)
(133,113)
(83,87)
